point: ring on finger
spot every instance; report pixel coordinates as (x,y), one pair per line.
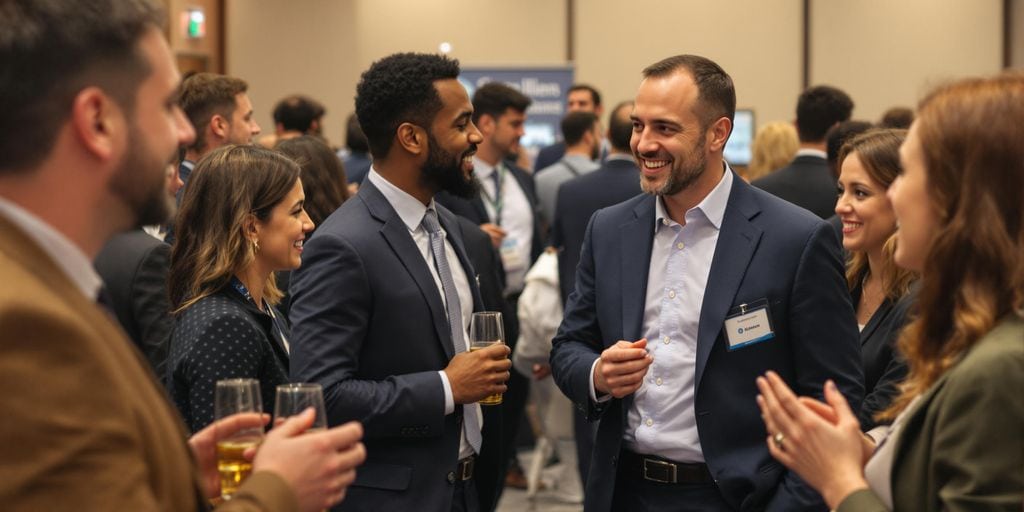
(778,439)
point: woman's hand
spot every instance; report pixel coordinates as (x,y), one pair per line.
(824,447)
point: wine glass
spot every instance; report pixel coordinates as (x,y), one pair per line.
(486,329)
(294,398)
(233,396)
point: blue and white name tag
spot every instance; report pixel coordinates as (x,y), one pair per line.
(748,324)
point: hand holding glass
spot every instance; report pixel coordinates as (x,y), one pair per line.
(486,329)
(235,396)
(293,399)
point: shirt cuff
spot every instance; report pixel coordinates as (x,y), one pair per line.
(593,390)
(449,400)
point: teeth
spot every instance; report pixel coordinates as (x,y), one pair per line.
(298,244)
(654,164)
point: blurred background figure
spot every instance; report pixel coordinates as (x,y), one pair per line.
(295,116)
(897,117)
(880,289)
(356,153)
(325,186)
(241,220)
(774,147)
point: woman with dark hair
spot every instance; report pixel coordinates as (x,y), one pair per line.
(869,163)
(323,176)
(241,218)
(956,442)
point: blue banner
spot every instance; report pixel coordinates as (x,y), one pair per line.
(546,86)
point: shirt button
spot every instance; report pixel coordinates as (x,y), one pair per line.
(665,340)
(671,294)
(649,422)
(658,381)
(664,221)
(680,245)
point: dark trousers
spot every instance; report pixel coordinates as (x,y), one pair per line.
(464,499)
(514,400)
(633,493)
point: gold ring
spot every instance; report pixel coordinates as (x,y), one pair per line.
(779,438)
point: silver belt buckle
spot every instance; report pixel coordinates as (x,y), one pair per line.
(670,469)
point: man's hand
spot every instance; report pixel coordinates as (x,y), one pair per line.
(495,232)
(541,371)
(478,374)
(319,466)
(621,369)
(204,445)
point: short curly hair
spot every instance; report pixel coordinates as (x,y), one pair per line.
(397,89)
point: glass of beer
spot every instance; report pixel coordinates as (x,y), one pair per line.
(292,399)
(486,329)
(233,396)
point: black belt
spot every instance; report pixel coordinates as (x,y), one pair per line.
(656,469)
(463,470)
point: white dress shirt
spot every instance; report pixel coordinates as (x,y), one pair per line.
(69,257)
(516,220)
(411,211)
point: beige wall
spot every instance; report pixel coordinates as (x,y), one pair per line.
(884,52)
(1017,34)
(887,53)
(757,43)
(320,47)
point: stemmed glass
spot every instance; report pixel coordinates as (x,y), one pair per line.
(233,396)
(294,398)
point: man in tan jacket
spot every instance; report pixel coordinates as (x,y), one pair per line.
(89,124)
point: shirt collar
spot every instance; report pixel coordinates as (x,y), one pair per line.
(483,169)
(68,256)
(712,207)
(811,152)
(582,159)
(620,156)
(409,209)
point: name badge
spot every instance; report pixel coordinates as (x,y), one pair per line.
(511,260)
(748,324)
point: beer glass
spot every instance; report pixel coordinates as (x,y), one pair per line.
(486,329)
(233,396)
(292,399)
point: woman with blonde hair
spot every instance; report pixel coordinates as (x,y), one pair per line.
(774,147)
(956,442)
(880,289)
(241,218)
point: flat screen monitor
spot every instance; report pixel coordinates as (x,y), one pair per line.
(737,149)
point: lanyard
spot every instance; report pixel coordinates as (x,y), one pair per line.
(242,290)
(497,202)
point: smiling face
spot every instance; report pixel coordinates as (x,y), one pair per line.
(508,128)
(864,208)
(668,139)
(281,236)
(915,213)
(452,139)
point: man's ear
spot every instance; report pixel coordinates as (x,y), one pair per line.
(98,122)
(412,138)
(718,134)
(486,124)
(220,126)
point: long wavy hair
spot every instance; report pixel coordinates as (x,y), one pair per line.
(879,153)
(774,147)
(229,188)
(970,133)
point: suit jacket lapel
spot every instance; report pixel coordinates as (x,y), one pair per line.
(637,241)
(397,236)
(737,240)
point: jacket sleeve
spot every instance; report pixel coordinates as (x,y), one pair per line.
(151,307)
(331,310)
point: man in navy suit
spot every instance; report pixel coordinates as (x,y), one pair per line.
(683,296)
(581,98)
(382,303)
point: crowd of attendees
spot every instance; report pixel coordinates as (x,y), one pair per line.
(838,325)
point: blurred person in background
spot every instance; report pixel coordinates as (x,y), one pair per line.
(774,147)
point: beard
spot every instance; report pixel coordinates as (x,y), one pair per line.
(681,176)
(141,182)
(443,171)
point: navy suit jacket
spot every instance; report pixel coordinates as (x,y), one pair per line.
(371,327)
(548,155)
(578,199)
(767,249)
(806,182)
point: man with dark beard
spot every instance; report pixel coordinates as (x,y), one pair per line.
(683,296)
(383,300)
